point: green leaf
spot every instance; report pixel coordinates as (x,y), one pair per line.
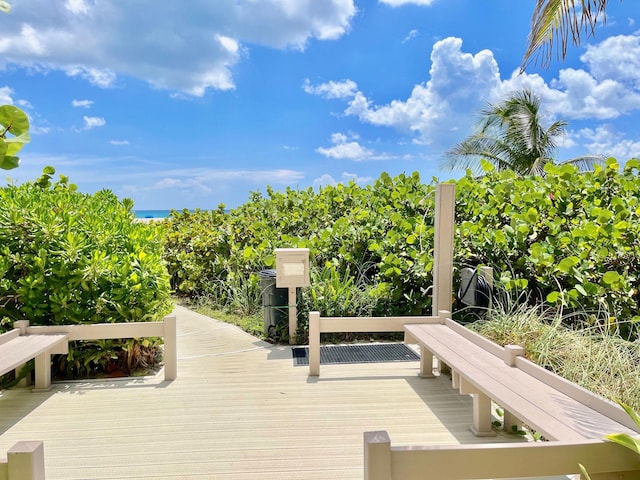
(5,7)
(626,441)
(14,120)
(9,163)
(553,297)
(566,264)
(609,278)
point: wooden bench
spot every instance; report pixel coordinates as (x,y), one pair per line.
(551,405)
(18,347)
(24,343)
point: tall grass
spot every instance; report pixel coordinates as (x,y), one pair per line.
(587,354)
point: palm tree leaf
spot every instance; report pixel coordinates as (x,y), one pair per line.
(552,22)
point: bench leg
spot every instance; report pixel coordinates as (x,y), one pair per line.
(43,372)
(482,426)
(25,381)
(482,416)
(511,421)
(426,363)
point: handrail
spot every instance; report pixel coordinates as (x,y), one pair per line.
(318,325)
(493,460)
(102,331)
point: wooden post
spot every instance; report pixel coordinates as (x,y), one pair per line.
(426,363)
(43,372)
(293,315)
(482,426)
(314,344)
(443,248)
(26,461)
(377,456)
(487,273)
(170,348)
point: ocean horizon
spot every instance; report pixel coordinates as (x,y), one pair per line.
(151,213)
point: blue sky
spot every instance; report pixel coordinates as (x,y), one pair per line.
(194,103)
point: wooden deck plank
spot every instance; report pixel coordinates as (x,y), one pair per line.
(238,410)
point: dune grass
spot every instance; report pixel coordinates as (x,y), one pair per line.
(587,354)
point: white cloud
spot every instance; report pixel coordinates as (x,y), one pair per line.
(460,83)
(399,3)
(616,57)
(441,110)
(5,96)
(184,46)
(606,141)
(82,103)
(119,142)
(410,36)
(93,122)
(343,149)
(98,77)
(348,148)
(346,177)
(331,89)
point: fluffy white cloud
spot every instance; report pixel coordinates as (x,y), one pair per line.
(343,149)
(441,111)
(615,58)
(5,96)
(181,46)
(605,140)
(460,83)
(93,122)
(348,148)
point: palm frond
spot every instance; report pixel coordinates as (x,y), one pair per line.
(553,21)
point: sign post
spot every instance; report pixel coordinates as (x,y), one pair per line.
(292,271)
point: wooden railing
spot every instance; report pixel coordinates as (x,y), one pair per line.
(102,331)
(25,461)
(318,325)
(603,460)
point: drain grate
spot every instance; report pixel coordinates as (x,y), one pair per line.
(361,353)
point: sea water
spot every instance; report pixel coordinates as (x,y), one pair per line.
(151,213)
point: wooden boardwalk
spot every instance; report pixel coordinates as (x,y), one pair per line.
(238,410)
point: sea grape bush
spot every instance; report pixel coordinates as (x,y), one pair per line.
(569,239)
(380,233)
(71,258)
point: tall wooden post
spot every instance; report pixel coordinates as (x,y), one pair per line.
(443,248)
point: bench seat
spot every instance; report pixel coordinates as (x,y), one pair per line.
(479,371)
(16,350)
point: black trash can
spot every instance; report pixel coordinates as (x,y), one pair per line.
(275,302)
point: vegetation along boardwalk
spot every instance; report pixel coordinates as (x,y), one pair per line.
(238,410)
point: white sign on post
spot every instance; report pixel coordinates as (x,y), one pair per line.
(292,267)
(292,271)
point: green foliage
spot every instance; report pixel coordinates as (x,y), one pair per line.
(569,239)
(381,233)
(72,258)
(15,122)
(568,345)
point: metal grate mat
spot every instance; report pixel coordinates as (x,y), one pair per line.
(358,353)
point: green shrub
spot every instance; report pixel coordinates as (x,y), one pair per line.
(73,258)
(570,239)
